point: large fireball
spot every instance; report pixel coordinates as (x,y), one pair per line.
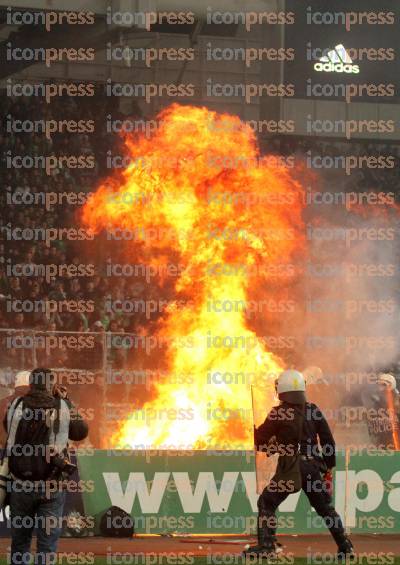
(200,189)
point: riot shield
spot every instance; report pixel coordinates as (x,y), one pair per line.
(382,419)
(263,399)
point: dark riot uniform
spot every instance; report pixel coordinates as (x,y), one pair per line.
(381,416)
(317,449)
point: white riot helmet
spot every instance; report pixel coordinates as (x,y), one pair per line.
(22,378)
(388,380)
(290,381)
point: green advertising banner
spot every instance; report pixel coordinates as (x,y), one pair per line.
(373,492)
(215,492)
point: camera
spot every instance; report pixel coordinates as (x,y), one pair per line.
(62,465)
(59,391)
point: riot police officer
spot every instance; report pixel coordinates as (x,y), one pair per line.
(381,400)
(299,433)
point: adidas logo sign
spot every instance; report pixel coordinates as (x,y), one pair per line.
(337,61)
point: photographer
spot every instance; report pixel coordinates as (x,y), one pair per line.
(39,425)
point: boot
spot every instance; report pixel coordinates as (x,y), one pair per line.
(266,545)
(345,547)
(268,551)
(345,550)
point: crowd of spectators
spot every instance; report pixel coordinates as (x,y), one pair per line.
(20,185)
(27,302)
(377,178)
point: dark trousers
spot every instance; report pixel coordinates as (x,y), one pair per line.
(30,511)
(318,497)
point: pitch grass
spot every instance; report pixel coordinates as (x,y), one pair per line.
(233,560)
(229,560)
(282,560)
(238,560)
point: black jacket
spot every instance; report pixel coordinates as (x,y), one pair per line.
(78,428)
(281,430)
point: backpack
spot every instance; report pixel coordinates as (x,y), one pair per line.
(29,457)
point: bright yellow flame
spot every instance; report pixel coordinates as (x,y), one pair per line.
(203,190)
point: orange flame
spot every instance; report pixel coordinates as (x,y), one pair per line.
(392,410)
(201,189)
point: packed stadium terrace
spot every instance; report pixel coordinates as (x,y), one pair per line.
(33,199)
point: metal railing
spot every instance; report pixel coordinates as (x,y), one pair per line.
(93,366)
